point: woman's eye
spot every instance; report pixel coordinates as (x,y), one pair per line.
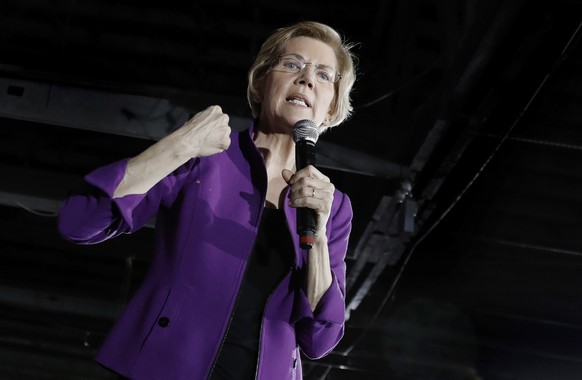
(324,75)
(292,65)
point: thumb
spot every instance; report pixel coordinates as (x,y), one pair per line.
(287,175)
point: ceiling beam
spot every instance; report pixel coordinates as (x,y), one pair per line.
(146,117)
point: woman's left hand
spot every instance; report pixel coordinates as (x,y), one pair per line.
(312,189)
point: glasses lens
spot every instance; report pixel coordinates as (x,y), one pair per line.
(323,73)
(290,64)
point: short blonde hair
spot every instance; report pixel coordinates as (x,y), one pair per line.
(341,107)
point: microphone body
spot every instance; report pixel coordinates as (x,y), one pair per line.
(305,135)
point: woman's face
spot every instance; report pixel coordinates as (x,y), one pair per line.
(288,97)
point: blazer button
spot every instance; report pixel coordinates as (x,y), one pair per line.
(163,322)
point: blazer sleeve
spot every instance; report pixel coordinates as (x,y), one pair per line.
(319,331)
(93,215)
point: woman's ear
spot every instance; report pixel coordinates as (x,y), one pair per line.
(327,120)
(330,113)
(325,125)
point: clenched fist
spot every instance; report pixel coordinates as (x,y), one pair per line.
(205,134)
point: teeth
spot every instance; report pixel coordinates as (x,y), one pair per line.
(298,101)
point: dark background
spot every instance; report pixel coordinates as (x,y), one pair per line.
(463,161)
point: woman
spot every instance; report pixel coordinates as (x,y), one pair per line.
(229,293)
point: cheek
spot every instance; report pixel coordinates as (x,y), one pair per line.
(273,92)
(326,103)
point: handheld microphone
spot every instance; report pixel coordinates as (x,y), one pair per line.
(305,135)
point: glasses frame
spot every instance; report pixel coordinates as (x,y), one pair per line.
(302,65)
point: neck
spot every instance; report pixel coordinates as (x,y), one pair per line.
(278,149)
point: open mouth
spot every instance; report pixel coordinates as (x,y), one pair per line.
(299,100)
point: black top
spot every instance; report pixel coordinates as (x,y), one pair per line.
(269,262)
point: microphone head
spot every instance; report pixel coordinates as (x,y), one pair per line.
(305,130)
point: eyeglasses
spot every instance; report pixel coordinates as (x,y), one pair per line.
(292,63)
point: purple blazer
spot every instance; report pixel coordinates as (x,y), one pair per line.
(207,216)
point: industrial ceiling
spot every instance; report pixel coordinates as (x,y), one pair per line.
(463,161)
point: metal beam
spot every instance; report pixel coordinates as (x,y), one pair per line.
(382,244)
(145,117)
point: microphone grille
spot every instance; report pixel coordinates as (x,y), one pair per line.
(305,130)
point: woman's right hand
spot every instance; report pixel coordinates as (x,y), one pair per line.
(205,134)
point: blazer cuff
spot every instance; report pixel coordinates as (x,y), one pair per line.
(331,306)
(107,179)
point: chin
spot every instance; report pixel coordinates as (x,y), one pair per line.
(305,115)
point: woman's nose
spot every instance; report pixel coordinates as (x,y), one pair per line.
(307,76)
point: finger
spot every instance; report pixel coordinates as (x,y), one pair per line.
(320,198)
(287,175)
(321,206)
(311,192)
(304,185)
(225,143)
(310,171)
(214,109)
